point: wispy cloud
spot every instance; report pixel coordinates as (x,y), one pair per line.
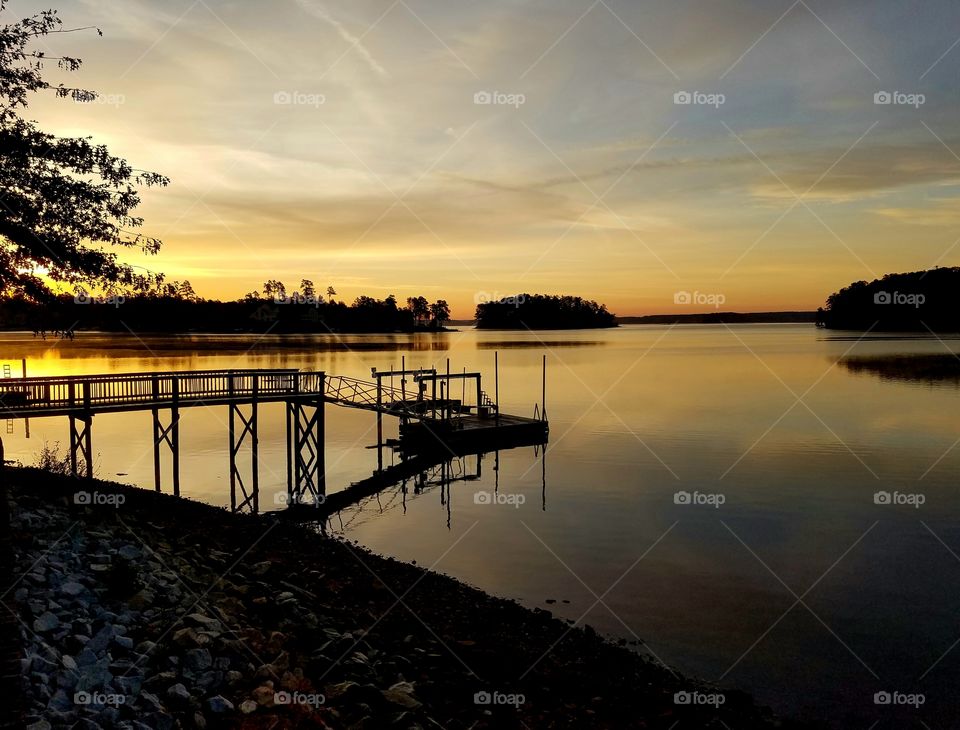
(318,11)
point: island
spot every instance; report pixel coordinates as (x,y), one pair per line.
(543,312)
(916,301)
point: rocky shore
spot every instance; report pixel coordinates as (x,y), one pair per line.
(139,610)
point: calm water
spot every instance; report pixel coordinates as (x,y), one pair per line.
(797,588)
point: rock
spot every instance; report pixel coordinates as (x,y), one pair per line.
(124,642)
(39,725)
(247,707)
(101,640)
(46,622)
(402,694)
(69,662)
(219,704)
(264,695)
(72,588)
(198,659)
(151,700)
(129,552)
(187,638)
(178,693)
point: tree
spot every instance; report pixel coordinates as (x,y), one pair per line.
(307,289)
(440,311)
(419,307)
(331,293)
(274,289)
(64,202)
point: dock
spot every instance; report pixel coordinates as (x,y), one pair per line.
(433,424)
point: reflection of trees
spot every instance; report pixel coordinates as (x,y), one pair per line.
(916,368)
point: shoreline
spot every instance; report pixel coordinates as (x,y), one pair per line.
(205,618)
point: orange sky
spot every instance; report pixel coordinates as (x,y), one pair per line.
(471,151)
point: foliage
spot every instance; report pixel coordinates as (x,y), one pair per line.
(50,459)
(914,301)
(64,202)
(538,311)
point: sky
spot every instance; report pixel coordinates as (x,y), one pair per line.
(675,156)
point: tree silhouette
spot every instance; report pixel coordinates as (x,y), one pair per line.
(419,307)
(64,202)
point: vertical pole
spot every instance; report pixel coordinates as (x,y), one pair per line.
(448,389)
(433,401)
(403,377)
(233,455)
(87,422)
(291,441)
(26,421)
(496,383)
(156,449)
(543,400)
(479,395)
(73,442)
(175,434)
(321,446)
(255,456)
(380,422)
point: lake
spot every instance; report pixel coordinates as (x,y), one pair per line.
(769,507)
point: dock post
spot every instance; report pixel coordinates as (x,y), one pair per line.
(240,497)
(306,436)
(543,400)
(380,422)
(496,383)
(170,435)
(175,435)
(290,475)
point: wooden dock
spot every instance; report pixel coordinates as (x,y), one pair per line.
(432,423)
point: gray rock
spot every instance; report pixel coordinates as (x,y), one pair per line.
(219,704)
(129,552)
(39,725)
(72,588)
(46,622)
(179,694)
(198,659)
(151,701)
(248,706)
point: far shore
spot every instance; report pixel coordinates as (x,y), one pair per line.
(196,616)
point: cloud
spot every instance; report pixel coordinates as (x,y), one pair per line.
(318,11)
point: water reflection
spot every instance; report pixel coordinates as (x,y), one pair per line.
(931,369)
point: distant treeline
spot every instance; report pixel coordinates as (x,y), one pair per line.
(176,308)
(723,318)
(540,312)
(918,301)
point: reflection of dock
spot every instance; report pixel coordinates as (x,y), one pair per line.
(432,421)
